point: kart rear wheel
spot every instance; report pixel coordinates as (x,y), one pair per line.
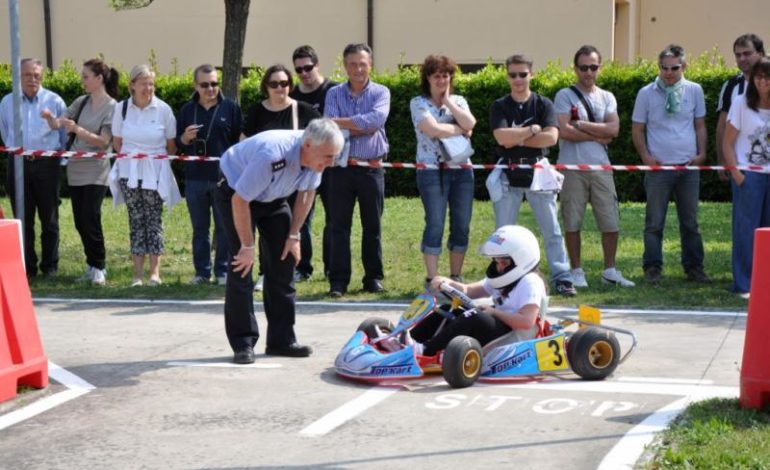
(462,362)
(367,326)
(593,353)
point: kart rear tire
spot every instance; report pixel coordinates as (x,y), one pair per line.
(593,353)
(462,362)
(367,326)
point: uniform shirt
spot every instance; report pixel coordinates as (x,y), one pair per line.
(751,145)
(36,134)
(267,167)
(369,111)
(422,107)
(589,152)
(670,139)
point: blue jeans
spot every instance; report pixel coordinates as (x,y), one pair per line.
(455,190)
(544,208)
(684,186)
(201,203)
(751,210)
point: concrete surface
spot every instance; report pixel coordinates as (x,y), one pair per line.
(166,397)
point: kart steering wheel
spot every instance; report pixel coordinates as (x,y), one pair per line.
(455,294)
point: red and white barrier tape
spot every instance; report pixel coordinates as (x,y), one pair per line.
(18,151)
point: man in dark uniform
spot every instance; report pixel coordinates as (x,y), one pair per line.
(259,175)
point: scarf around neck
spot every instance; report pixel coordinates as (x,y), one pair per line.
(673,95)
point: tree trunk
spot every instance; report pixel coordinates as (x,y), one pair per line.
(236,18)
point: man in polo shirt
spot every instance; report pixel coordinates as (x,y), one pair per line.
(669,128)
(361,107)
(748,49)
(41,175)
(260,173)
(312,89)
(207,125)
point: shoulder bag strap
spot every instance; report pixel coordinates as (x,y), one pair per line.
(294,117)
(76,117)
(583,100)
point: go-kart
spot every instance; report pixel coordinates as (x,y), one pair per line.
(592,351)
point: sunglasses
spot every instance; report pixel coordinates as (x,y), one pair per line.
(305,68)
(518,74)
(586,68)
(206,85)
(670,68)
(278,84)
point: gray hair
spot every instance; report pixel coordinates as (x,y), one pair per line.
(140,71)
(323,131)
(33,60)
(673,50)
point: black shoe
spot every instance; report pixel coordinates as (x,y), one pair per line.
(565,288)
(374,286)
(698,275)
(50,275)
(337,291)
(300,276)
(653,274)
(292,350)
(244,356)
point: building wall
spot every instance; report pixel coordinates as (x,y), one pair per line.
(190,32)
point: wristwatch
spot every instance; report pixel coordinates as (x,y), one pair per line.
(295,236)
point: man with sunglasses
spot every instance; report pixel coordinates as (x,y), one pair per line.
(588,122)
(207,125)
(748,49)
(361,107)
(669,128)
(311,89)
(524,125)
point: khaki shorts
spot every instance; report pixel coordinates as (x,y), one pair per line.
(596,187)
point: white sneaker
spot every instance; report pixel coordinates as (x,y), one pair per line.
(613,276)
(260,284)
(98,276)
(222,280)
(579,278)
(88,276)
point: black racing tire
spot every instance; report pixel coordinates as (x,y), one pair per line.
(593,353)
(462,362)
(367,326)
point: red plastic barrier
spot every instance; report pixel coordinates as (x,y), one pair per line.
(22,361)
(755,371)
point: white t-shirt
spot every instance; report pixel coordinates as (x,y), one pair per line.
(751,146)
(529,290)
(145,130)
(589,152)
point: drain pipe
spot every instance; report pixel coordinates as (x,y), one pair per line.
(47,22)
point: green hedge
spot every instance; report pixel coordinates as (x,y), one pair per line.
(480,89)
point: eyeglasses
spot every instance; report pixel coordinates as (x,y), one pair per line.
(207,85)
(765,78)
(278,84)
(586,68)
(670,68)
(518,74)
(304,68)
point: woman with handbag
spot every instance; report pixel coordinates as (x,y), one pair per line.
(88,122)
(443,124)
(144,124)
(279,111)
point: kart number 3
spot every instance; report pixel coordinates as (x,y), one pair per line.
(550,354)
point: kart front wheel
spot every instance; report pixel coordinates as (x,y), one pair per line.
(462,362)
(368,326)
(593,353)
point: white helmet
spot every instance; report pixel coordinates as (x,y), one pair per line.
(515,242)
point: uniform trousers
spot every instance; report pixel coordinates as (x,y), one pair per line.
(272,220)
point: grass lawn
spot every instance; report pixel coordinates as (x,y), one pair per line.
(404,271)
(714,434)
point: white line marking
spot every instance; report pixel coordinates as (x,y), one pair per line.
(625,387)
(349,410)
(665,380)
(223,364)
(399,305)
(75,388)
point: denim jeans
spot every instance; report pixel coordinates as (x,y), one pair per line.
(544,208)
(751,210)
(684,186)
(200,196)
(439,190)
